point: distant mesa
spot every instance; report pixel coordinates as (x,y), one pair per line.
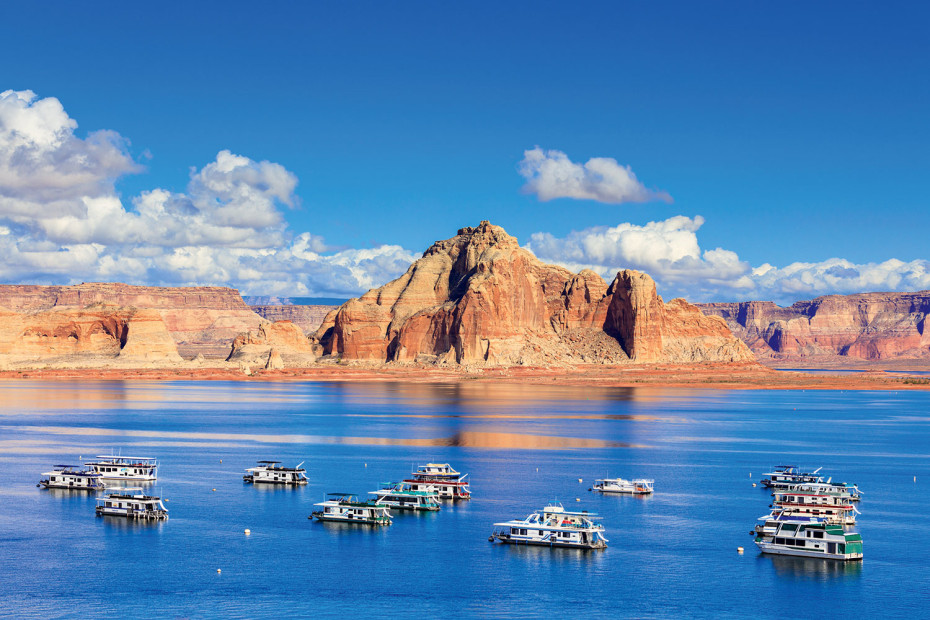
(479,298)
(866,326)
(200,319)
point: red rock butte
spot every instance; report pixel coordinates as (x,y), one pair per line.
(479,298)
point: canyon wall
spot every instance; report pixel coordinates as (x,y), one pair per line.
(479,298)
(868,326)
(307,318)
(202,320)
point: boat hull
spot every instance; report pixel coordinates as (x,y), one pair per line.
(504,538)
(293,483)
(378,521)
(773,549)
(144,515)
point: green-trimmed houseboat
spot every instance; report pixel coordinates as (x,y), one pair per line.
(347,508)
(812,540)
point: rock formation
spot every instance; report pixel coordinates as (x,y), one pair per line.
(870,326)
(97,331)
(481,298)
(272,345)
(307,318)
(199,319)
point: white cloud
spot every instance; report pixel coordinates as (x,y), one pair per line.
(44,168)
(61,219)
(551,174)
(669,251)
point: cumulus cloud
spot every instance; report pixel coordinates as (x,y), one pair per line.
(44,167)
(670,252)
(551,174)
(61,219)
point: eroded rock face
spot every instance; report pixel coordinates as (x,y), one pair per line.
(98,330)
(199,319)
(872,326)
(273,346)
(481,298)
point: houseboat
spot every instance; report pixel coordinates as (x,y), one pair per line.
(843,491)
(132,504)
(132,468)
(400,495)
(441,479)
(70,477)
(437,471)
(270,472)
(785,475)
(812,540)
(347,508)
(770,522)
(553,526)
(640,486)
(814,503)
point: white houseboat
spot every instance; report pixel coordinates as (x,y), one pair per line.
(270,472)
(639,486)
(401,496)
(347,508)
(70,477)
(132,468)
(786,475)
(814,503)
(553,526)
(812,540)
(132,504)
(441,479)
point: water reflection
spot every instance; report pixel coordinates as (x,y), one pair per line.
(813,568)
(482,396)
(470,439)
(131,525)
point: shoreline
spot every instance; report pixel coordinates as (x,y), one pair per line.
(711,376)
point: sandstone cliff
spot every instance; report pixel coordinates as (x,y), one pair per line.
(199,319)
(97,331)
(870,326)
(481,298)
(272,345)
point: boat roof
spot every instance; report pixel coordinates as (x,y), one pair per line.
(126,458)
(64,465)
(270,462)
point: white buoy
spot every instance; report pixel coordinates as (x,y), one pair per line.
(579,480)
(248,532)
(577,499)
(221,460)
(739,549)
(750,474)
(366,464)
(214,490)
(753,484)
(219,571)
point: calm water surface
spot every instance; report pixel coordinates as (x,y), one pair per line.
(670,555)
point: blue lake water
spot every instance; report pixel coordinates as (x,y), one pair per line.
(670,555)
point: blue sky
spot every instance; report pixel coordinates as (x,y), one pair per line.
(791,139)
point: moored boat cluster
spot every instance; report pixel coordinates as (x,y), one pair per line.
(808,516)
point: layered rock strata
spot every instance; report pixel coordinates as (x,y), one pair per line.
(199,319)
(97,331)
(307,318)
(479,298)
(868,326)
